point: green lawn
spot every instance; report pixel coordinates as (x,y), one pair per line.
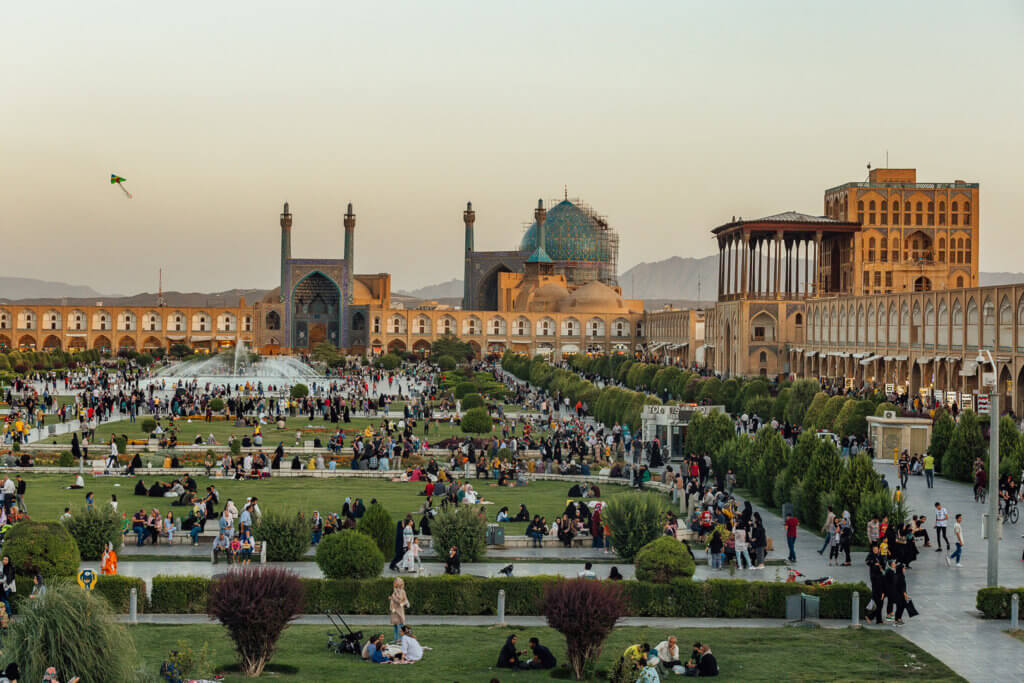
(222,429)
(46,495)
(463,653)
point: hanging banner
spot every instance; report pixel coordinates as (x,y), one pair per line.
(983,404)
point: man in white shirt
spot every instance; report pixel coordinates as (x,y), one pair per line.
(588,572)
(412,651)
(668,653)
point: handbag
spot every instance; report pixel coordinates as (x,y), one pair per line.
(870,607)
(911,610)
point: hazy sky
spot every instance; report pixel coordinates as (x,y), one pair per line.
(669,117)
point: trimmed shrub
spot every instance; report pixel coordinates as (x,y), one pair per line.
(179,594)
(473,595)
(376,523)
(299,391)
(349,554)
(942,433)
(462,528)
(216,405)
(585,613)
(470,401)
(463,388)
(286,535)
(255,605)
(44,547)
(994,603)
(66,459)
(477,421)
(966,444)
(446,363)
(635,519)
(148,425)
(117,591)
(390,361)
(74,631)
(93,528)
(663,560)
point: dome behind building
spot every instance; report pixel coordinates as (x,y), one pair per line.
(579,241)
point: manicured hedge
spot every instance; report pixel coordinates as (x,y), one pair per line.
(117,591)
(179,595)
(994,603)
(471,595)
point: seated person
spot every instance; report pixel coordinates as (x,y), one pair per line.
(503,514)
(522,516)
(542,657)
(79,482)
(637,654)
(158,489)
(453,565)
(377,655)
(412,651)
(508,658)
(707,665)
(668,653)
(136,464)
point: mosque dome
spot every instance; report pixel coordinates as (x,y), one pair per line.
(570,234)
(594,297)
(546,298)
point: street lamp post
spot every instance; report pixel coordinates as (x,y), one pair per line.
(989,381)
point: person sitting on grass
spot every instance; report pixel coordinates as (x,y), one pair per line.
(412,651)
(668,653)
(377,655)
(637,654)
(542,657)
(503,514)
(508,658)
(522,516)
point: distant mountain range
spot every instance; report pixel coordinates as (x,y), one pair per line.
(677,280)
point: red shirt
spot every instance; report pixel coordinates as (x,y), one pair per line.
(791,525)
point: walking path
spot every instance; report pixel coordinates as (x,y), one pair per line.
(949,625)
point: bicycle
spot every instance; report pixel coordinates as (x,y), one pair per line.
(979,494)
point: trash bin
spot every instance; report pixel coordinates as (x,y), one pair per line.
(794,607)
(812,605)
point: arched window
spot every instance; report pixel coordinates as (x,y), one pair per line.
(358,321)
(273,320)
(942,213)
(895,249)
(988,319)
(496,327)
(942,250)
(545,327)
(957,331)
(871,249)
(522,327)
(764,357)
(954,217)
(929,324)
(967,253)
(904,324)
(841,338)
(620,328)
(1020,324)
(595,327)
(943,324)
(967,213)
(972,323)
(422,325)
(871,324)
(376,324)
(959,281)
(893,337)
(1005,324)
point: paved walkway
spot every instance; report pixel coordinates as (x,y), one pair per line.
(949,625)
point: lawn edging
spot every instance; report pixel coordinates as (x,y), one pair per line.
(524,596)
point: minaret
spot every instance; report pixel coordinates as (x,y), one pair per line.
(543,263)
(350,246)
(468,218)
(286,248)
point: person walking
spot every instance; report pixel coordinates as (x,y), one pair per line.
(929,470)
(827,529)
(958,538)
(791,524)
(941,524)
(877,573)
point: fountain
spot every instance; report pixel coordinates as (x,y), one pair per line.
(234,367)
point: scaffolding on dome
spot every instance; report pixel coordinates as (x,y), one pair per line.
(597,258)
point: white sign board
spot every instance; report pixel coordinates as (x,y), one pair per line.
(966,401)
(983,404)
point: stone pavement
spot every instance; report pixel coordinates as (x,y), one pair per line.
(948,626)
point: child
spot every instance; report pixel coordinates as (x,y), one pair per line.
(234,548)
(169,527)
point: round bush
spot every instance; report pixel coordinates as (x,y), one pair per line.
(148,425)
(300,391)
(463,388)
(376,523)
(66,459)
(216,405)
(446,362)
(462,528)
(477,421)
(349,555)
(93,528)
(286,534)
(44,547)
(663,560)
(470,401)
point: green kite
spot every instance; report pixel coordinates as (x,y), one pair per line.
(117,180)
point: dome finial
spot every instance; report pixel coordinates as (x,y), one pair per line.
(565,189)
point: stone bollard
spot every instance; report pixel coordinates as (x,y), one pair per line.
(501,607)
(855,610)
(1014,613)
(133,606)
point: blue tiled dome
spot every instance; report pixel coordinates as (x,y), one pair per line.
(569,235)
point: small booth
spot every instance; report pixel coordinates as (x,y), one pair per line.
(891,434)
(668,424)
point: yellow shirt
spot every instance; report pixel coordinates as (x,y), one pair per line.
(929,462)
(635,653)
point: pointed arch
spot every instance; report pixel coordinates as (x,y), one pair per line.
(929,324)
(972,323)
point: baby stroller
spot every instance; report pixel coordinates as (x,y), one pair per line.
(344,643)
